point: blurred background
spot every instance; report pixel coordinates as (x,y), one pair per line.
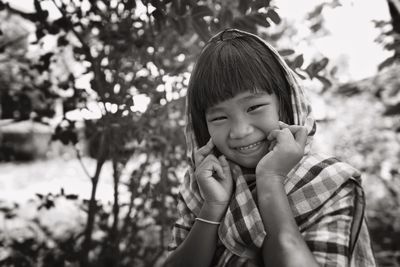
(91,115)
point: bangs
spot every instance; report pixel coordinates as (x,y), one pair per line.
(230,68)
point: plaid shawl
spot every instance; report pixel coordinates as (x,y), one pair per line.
(322,192)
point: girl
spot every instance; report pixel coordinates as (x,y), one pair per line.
(256,193)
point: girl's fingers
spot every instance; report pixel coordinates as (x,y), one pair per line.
(212,164)
(272,144)
(225,166)
(273,134)
(299,132)
(203,151)
(301,136)
(220,172)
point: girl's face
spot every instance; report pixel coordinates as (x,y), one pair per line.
(239,126)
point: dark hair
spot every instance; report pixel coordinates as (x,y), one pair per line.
(233,62)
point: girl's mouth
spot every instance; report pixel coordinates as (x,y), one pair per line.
(250,147)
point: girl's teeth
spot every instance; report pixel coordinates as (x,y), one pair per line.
(249,146)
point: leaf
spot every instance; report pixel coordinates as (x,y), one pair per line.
(326,83)
(71,196)
(300,75)
(392,110)
(225,17)
(274,16)
(246,24)
(348,90)
(201,28)
(316,27)
(39,33)
(45,59)
(159,17)
(257,4)
(130,5)
(298,61)
(316,12)
(63,23)
(201,11)
(315,67)
(322,64)
(180,7)
(53,29)
(286,52)
(243,6)
(62,41)
(387,62)
(41,14)
(258,18)
(180,25)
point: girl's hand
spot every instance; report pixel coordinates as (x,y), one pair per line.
(288,148)
(213,176)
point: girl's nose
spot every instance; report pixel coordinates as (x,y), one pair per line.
(240,129)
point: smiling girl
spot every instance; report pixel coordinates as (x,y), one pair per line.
(256,194)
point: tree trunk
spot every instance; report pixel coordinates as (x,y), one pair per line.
(92,207)
(114,235)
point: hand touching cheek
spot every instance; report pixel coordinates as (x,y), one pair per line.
(289,142)
(213,176)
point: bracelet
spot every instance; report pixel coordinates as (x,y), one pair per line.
(207,221)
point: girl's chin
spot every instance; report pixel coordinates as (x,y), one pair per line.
(248,165)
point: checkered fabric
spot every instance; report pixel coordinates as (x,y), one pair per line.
(324,194)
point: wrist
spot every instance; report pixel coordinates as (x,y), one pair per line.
(213,211)
(270,187)
(270,177)
(269,182)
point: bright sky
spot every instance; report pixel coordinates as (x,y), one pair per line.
(352,34)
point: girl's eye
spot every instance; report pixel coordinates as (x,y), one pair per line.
(218,118)
(252,108)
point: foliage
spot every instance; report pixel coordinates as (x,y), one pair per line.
(18,100)
(390,34)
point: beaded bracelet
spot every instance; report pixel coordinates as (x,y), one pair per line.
(207,221)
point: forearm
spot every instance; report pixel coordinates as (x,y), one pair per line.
(284,245)
(198,248)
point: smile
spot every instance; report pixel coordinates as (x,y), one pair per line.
(249,147)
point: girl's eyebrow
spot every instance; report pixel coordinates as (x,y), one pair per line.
(252,96)
(214,110)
